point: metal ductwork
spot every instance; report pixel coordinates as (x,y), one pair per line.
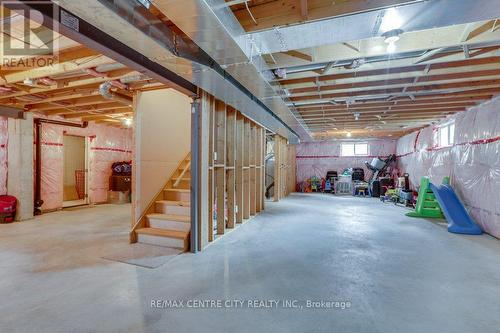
(228,63)
(213,27)
(129,22)
(416,16)
(105,91)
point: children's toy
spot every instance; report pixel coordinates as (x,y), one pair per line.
(379,168)
(427,205)
(315,184)
(391,194)
(360,187)
(328,186)
(332,177)
(344,185)
(434,199)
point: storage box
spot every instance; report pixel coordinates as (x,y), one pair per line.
(118,197)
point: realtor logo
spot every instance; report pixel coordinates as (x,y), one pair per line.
(28,38)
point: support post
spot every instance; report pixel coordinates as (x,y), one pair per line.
(195,172)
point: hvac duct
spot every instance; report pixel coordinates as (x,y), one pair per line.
(105,91)
(125,21)
(415,16)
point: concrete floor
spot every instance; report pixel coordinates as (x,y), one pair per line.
(399,274)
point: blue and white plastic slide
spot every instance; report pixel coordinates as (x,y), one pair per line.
(458,218)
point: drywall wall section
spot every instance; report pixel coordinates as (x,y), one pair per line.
(472,162)
(316,158)
(4,137)
(107,144)
(162,141)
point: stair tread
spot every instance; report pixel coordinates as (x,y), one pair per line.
(185,190)
(170,217)
(174,203)
(164,233)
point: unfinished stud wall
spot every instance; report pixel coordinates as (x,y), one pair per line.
(234,168)
(284,168)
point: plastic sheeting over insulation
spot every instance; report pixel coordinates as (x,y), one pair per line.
(472,162)
(3,155)
(316,158)
(107,145)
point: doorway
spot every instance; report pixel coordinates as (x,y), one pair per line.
(75,171)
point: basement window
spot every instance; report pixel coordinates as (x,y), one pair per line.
(446,135)
(354,149)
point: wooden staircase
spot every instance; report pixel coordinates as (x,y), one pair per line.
(167,220)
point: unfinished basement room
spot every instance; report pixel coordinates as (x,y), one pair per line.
(250,166)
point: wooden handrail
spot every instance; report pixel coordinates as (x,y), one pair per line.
(188,166)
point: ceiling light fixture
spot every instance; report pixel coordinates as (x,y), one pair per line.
(391,20)
(392,36)
(128,122)
(391,48)
(348,134)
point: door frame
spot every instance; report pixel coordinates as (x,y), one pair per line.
(86,198)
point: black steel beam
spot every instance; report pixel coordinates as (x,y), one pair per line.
(88,35)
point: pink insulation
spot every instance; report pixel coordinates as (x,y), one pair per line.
(473,162)
(107,145)
(316,158)
(4,135)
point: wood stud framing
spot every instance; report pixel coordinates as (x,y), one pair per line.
(284,168)
(235,168)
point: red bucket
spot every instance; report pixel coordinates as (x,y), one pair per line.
(8,205)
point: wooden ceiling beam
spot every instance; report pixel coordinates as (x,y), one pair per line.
(299,55)
(269,14)
(403,81)
(98,108)
(377,122)
(429,89)
(66,94)
(103,116)
(83,101)
(376,113)
(64,56)
(354,108)
(394,70)
(112,75)
(65,67)
(400,101)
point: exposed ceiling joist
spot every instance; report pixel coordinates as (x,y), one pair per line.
(299,55)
